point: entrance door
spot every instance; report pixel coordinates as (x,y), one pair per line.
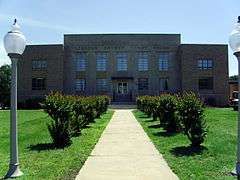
(122,88)
(122,93)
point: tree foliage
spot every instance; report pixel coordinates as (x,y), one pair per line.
(234,77)
(5,83)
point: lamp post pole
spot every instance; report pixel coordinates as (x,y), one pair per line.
(14,43)
(14,170)
(234,42)
(237,172)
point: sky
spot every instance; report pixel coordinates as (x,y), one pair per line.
(45,21)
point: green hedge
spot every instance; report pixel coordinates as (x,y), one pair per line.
(71,113)
(177,113)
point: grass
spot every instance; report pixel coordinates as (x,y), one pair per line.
(38,159)
(214,161)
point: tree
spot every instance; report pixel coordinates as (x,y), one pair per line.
(235,77)
(5,82)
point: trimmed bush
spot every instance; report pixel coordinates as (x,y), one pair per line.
(147,105)
(59,109)
(166,109)
(177,113)
(190,109)
(71,113)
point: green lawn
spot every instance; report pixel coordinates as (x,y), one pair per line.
(38,160)
(214,162)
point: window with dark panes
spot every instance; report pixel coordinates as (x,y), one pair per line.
(81,61)
(143,84)
(205,64)
(39,64)
(205,83)
(163,84)
(122,60)
(163,61)
(142,61)
(38,83)
(101,61)
(102,84)
(80,84)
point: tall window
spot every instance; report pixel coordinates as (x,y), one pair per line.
(163,61)
(101,61)
(121,61)
(163,82)
(142,61)
(102,84)
(205,64)
(143,84)
(80,59)
(38,83)
(39,64)
(205,83)
(80,84)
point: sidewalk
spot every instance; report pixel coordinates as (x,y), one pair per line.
(124,152)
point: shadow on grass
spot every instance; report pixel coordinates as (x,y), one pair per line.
(165,134)
(150,120)
(86,126)
(155,126)
(188,151)
(143,116)
(43,147)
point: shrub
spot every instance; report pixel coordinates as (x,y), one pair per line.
(59,109)
(147,105)
(190,110)
(70,114)
(167,112)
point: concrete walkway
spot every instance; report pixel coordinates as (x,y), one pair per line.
(124,152)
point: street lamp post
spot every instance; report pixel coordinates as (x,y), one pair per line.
(234,42)
(14,43)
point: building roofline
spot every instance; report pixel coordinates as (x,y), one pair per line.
(203,44)
(44,44)
(120,34)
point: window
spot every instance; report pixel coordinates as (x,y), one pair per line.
(163,84)
(163,61)
(205,64)
(80,84)
(143,84)
(80,59)
(205,83)
(39,64)
(102,84)
(38,83)
(142,61)
(101,61)
(121,61)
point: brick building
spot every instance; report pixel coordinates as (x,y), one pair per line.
(124,66)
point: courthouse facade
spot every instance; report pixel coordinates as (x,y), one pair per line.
(124,66)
